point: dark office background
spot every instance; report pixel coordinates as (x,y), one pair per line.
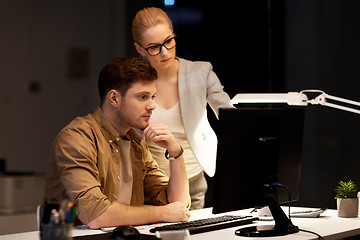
(51,54)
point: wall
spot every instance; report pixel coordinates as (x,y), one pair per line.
(42,45)
(323,52)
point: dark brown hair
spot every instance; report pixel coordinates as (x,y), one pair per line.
(121,72)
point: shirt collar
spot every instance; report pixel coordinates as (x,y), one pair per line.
(132,134)
(110,133)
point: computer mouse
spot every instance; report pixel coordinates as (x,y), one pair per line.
(126,232)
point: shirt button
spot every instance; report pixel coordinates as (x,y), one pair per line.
(117,139)
(110,141)
(118,177)
(116,150)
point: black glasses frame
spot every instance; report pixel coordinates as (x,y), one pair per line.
(160,45)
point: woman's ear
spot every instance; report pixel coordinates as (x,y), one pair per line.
(140,49)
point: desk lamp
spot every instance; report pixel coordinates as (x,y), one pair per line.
(296,99)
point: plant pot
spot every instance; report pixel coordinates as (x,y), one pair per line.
(347,207)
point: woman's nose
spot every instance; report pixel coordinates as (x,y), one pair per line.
(163,51)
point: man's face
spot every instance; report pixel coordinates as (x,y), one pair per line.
(137,105)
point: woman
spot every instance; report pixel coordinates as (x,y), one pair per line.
(183,90)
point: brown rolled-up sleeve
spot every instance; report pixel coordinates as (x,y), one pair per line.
(75,155)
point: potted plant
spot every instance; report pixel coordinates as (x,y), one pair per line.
(347,201)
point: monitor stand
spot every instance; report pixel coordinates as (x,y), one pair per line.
(283,224)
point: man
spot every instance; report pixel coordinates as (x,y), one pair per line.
(103,165)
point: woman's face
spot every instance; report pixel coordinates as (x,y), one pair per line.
(158,37)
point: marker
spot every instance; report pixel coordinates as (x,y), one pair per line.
(70,213)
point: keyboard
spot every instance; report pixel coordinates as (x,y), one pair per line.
(208,224)
(308,213)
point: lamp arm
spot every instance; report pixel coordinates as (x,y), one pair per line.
(297,99)
(342,100)
(322,100)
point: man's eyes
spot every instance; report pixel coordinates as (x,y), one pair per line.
(145,97)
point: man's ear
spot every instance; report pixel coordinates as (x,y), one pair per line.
(114,97)
(140,49)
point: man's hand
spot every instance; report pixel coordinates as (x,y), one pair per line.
(162,136)
(175,212)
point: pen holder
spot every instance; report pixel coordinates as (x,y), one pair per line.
(56,231)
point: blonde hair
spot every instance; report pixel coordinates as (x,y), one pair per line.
(147,18)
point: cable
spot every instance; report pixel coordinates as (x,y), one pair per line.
(318,235)
(289,201)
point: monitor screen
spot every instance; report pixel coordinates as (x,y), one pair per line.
(257,146)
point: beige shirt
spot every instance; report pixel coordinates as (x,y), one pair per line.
(172,118)
(126,177)
(84,165)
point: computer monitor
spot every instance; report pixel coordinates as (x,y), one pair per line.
(259,149)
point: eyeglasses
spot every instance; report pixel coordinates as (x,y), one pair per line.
(156,48)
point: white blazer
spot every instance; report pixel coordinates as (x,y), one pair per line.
(199,85)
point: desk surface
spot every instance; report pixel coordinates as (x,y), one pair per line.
(328,225)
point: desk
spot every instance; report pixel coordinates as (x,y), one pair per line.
(328,225)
